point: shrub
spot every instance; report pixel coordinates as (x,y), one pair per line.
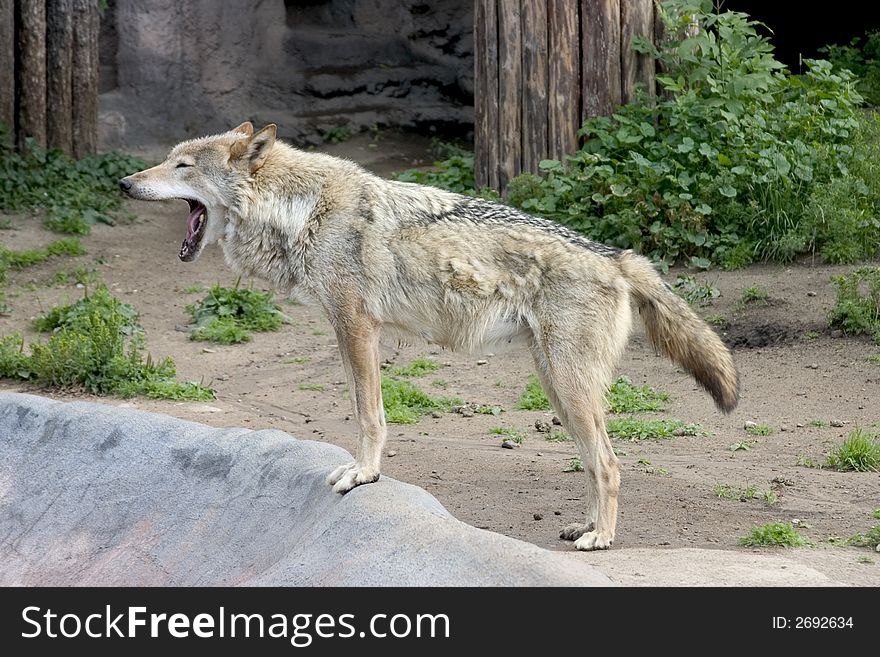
(857,310)
(226,314)
(97,346)
(74,193)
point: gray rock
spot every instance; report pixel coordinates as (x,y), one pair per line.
(508,444)
(542,426)
(101,495)
(320,65)
(749,424)
(837,423)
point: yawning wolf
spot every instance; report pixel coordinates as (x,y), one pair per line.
(464,273)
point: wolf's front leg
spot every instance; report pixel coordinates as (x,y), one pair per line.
(359,345)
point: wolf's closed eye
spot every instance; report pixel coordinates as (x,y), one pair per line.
(183,164)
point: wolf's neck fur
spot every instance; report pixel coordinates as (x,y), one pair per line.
(266,232)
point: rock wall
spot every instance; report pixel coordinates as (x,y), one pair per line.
(173,69)
(97,495)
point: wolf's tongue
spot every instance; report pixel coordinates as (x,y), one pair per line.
(192,223)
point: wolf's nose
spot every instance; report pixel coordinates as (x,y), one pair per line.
(124,184)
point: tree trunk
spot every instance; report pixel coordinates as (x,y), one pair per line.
(7,66)
(31,71)
(59,62)
(85,77)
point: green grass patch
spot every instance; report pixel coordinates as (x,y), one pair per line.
(227,315)
(875,514)
(871,539)
(557,437)
(857,309)
(694,292)
(754,294)
(297,360)
(759,430)
(10,259)
(417,368)
(99,304)
(728,492)
(533,397)
(404,403)
(859,452)
(715,320)
(75,194)
(640,429)
(741,446)
(820,424)
(336,135)
(509,434)
(313,387)
(774,533)
(624,397)
(97,346)
(440,383)
(574,465)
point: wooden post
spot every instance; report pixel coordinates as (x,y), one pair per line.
(600,63)
(534,85)
(486,98)
(59,60)
(7,66)
(564,92)
(541,68)
(636,18)
(85,77)
(509,90)
(31,72)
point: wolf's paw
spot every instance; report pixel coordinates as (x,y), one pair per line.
(594,541)
(347,476)
(575,531)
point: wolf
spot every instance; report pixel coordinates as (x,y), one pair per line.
(464,273)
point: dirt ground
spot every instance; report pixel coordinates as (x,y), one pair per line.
(672,528)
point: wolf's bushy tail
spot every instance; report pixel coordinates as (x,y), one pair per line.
(676,331)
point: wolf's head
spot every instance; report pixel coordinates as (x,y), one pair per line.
(207,173)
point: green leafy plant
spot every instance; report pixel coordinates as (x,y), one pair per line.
(10,259)
(509,434)
(640,429)
(859,452)
(417,368)
(454,172)
(75,194)
(574,465)
(861,56)
(336,135)
(732,163)
(95,345)
(100,304)
(624,397)
(754,294)
(774,533)
(227,315)
(741,446)
(693,292)
(533,397)
(857,310)
(405,404)
(759,430)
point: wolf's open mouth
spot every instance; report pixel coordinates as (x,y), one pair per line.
(195,230)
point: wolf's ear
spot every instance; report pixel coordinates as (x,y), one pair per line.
(259,146)
(247,128)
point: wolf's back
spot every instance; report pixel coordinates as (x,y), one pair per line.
(676,331)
